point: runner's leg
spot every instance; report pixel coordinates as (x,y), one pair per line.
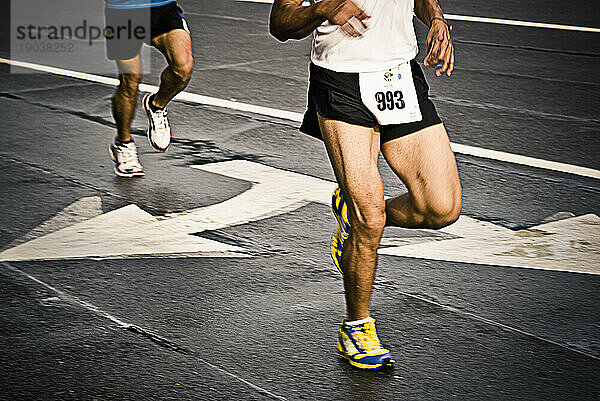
(176,46)
(425,163)
(353,151)
(124,101)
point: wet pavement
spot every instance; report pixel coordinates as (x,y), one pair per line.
(249,306)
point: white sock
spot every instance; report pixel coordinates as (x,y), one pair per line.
(358,322)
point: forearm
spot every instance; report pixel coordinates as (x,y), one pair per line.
(426,10)
(290,20)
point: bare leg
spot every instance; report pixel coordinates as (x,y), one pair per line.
(124,101)
(353,152)
(425,163)
(176,46)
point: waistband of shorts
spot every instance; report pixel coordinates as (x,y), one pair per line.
(344,81)
(335,79)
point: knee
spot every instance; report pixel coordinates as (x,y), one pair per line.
(183,70)
(441,218)
(444,211)
(369,224)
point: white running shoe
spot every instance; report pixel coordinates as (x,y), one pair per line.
(159,130)
(126,160)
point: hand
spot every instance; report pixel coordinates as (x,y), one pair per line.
(347,15)
(440,49)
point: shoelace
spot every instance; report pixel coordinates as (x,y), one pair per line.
(162,122)
(366,336)
(129,154)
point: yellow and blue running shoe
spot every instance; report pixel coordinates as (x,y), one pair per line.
(360,346)
(340,210)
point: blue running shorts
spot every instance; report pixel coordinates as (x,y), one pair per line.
(159,20)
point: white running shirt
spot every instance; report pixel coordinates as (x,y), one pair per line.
(389,40)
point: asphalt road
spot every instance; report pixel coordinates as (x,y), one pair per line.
(259,320)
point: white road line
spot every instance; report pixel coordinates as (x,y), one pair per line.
(487,20)
(525,160)
(297,117)
(529,24)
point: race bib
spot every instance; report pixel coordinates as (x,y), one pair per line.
(391,95)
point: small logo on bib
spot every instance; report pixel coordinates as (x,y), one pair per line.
(388,76)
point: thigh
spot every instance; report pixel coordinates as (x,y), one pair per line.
(353,151)
(425,163)
(176,46)
(119,44)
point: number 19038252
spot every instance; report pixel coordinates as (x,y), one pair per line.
(43,47)
(389,100)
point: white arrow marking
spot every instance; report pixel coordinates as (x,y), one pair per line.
(125,232)
(566,245)
(131,232)
(273,192)
(83,209)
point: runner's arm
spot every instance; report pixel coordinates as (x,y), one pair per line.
(291,20)
(440,49)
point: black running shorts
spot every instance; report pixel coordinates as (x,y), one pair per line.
(336,96)
(159,20)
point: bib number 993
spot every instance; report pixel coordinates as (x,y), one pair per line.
(389,100)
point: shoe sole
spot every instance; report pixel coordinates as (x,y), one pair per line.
(387,363)
(119,172)
(146,104)
(127,175)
